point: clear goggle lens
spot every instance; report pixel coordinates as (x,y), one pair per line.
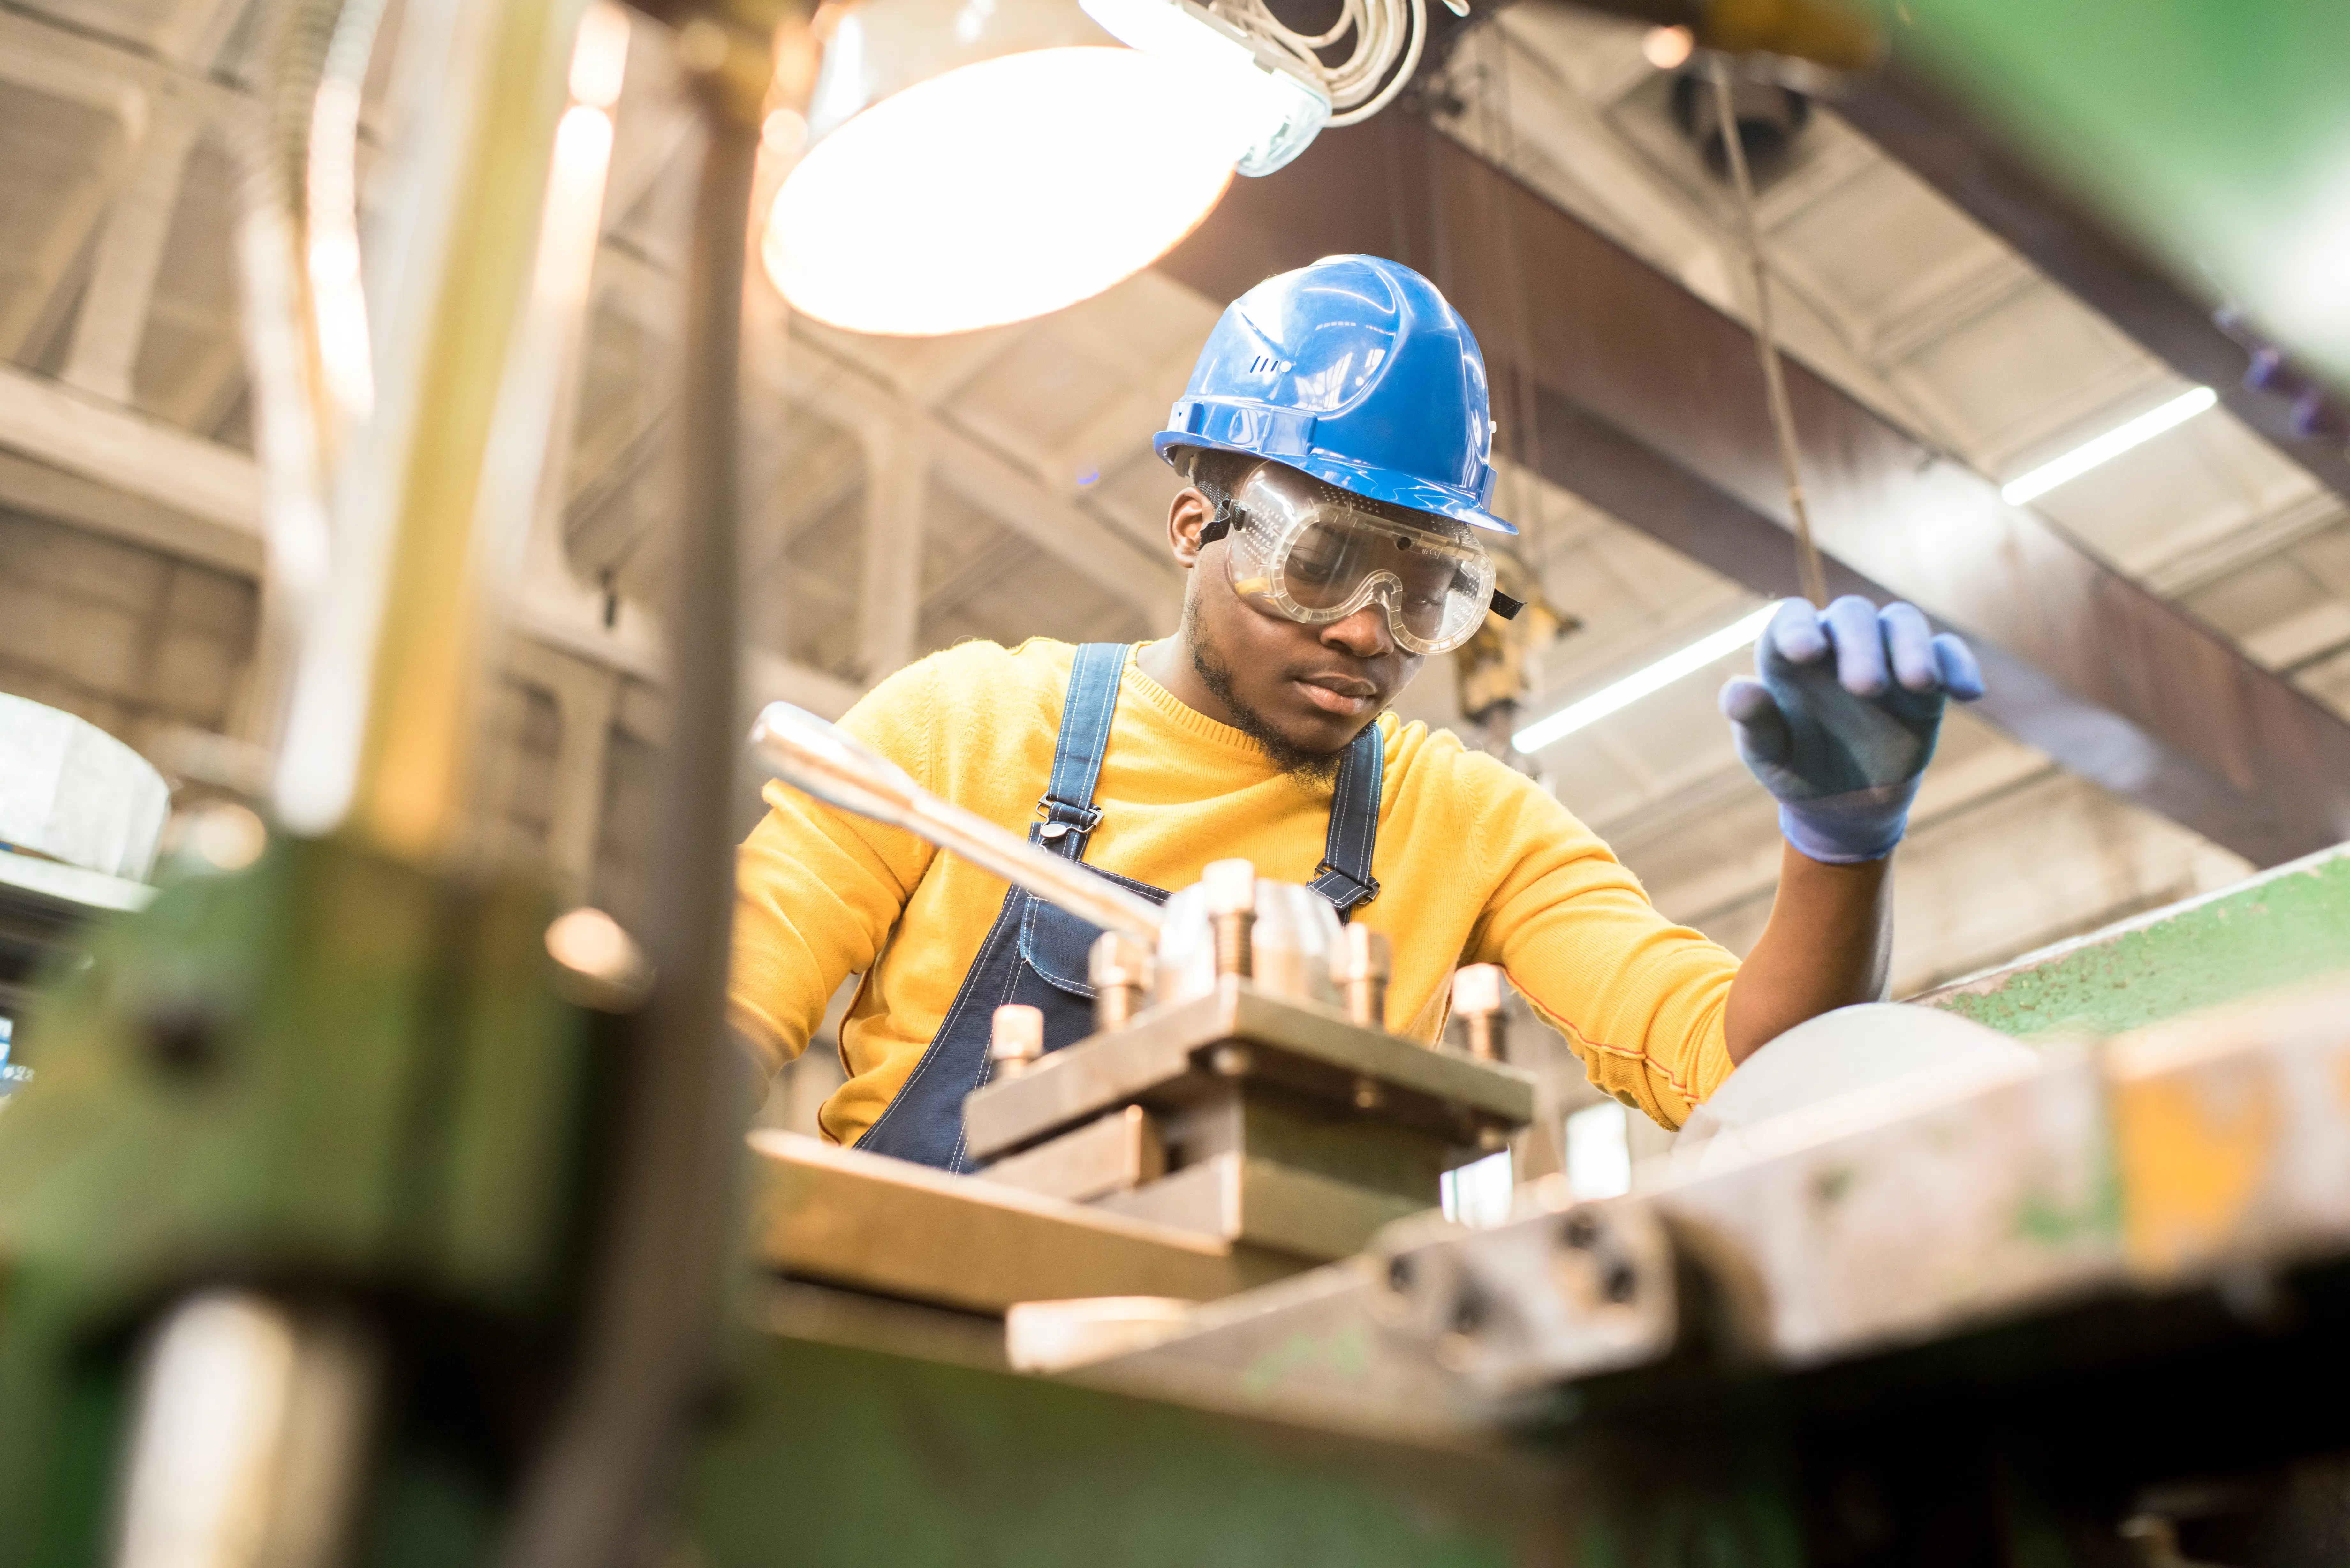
(1313,554)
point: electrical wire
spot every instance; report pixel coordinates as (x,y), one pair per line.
(1388,35)
(1767,342)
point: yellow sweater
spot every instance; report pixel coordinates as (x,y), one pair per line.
(1475,865)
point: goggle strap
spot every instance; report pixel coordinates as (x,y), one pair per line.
(1216,527)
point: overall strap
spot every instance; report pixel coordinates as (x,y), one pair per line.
(1087,711)
(1345,875)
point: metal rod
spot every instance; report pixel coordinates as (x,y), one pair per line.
(657,1280)
(380,719)
(1766,341)
(809,754)
(427,667)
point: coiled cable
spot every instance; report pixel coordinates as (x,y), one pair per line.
(1388,34)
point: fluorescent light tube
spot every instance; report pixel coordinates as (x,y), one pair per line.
(1575,716)
(2107,446)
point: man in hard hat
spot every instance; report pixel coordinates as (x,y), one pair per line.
(1336,446)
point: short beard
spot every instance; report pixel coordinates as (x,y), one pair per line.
(1305,766)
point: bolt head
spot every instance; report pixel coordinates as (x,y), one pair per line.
(1362,955)
(1117,960)
(1017,1037)
(1477,989)
(1229,886)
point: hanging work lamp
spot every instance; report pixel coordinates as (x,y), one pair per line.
(974,162)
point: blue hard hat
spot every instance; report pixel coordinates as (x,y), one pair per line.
(1356,371)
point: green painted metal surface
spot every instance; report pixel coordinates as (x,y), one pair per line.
(2216,131)
(2286,927)
(331,1076)
(855,1456)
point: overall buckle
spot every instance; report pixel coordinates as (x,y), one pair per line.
(1061,818)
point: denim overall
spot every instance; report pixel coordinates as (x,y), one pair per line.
(1036,952)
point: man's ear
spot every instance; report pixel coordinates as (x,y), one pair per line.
(1186,516)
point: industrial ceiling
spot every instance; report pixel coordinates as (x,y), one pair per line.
(909,493)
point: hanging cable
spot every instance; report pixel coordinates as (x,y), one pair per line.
(1766,343)
(1388,35)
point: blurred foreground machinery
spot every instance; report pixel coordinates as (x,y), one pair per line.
(2063,1312)
(363,1211)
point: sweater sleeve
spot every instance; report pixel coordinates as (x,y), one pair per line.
(817,890)
(1641,1000)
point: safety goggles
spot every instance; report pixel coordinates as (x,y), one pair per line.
(1314,554)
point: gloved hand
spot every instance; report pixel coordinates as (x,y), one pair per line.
(1842,741)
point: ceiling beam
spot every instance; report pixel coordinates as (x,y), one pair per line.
(214,488)
(889,583)
(570,621)
(111,324)
(193,32)
(1969,163)
(812,373)
(1651,407)
(137,89)
(38,489)
(70,458)
(994,483)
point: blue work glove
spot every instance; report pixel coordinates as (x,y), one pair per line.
(1842,724)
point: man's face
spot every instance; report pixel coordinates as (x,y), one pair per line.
(1309,688)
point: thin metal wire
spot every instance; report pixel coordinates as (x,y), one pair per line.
(1525,436)
(1767,342)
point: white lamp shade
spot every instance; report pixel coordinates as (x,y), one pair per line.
(1029,164)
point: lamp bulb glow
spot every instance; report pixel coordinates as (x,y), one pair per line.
(999,191)
(1669,48)
(1270,105)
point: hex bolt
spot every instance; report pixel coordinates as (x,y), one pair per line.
(1360,968)
(1121,970)
(1369,1094)
(1231,1061)
(1400,1274)
(1579,1230)
(1477,998)
(1230,889)
(1017,1040)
